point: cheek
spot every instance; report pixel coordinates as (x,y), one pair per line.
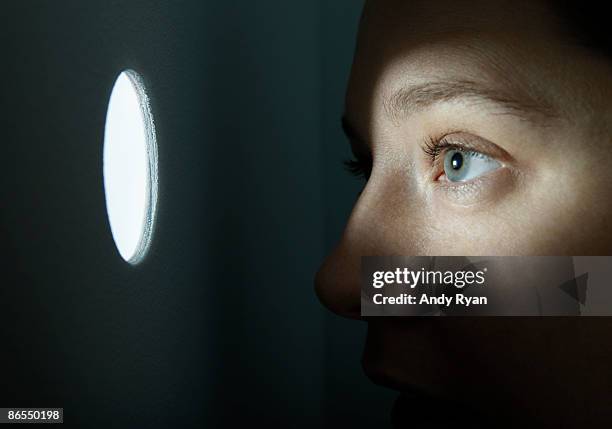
(497,225)
(540,212)
(550,214)
(566,198)
(477,236)
(571,211)
(522,228)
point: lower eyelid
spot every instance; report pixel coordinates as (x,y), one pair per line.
(480,190)
(459,189)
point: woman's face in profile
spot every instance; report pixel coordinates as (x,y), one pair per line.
(482,128)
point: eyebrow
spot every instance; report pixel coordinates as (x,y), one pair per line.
(418,97)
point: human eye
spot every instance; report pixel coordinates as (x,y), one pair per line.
(360,167)
(464,165)
(466,169)
(460,158)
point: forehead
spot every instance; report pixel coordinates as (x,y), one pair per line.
(499,42)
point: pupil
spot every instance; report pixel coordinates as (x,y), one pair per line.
(457,161)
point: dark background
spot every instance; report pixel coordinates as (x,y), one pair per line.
(219,325)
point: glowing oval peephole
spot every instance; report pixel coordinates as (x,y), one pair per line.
(130,167)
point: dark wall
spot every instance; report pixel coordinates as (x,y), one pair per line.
(219,324)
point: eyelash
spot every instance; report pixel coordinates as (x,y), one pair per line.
(434,147)
(362,167)
(359,167)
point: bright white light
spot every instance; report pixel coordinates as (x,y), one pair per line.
(130,167)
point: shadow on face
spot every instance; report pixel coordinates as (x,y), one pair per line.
(482,129)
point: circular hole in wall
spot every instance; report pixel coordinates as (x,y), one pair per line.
(130,167)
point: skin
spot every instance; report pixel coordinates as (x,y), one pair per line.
(550,196)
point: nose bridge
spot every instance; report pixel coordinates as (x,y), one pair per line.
(384,219)
(380,224)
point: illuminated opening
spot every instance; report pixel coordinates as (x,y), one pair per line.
(130,167)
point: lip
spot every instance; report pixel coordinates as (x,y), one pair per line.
(439,385)
(405,354)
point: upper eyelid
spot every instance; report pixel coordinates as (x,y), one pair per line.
(446,146)
(467,142)
(434,147)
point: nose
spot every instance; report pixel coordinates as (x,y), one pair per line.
(380,225)
(337,281)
